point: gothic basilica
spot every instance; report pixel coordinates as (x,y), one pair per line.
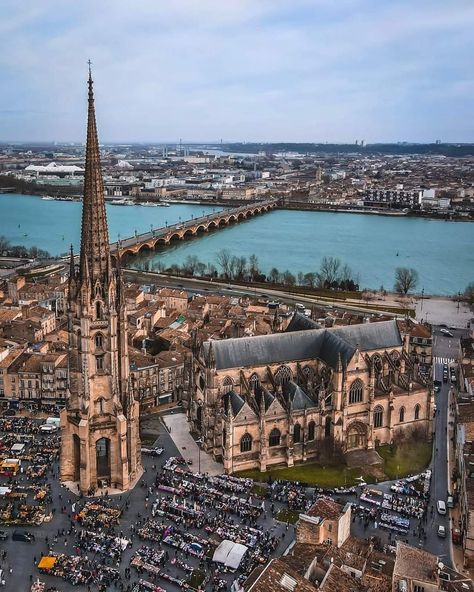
(278,399)
(100,441)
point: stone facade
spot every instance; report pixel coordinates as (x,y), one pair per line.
(282,398)
(100,440)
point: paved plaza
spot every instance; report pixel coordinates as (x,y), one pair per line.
(178,428)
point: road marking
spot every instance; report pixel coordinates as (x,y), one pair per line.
(439,360)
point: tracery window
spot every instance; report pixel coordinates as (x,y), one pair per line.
(356,391)
(283,375)
(378,417)
(246,443)
(228,384)
(274,438)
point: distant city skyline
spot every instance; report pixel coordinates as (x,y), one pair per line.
(240,70)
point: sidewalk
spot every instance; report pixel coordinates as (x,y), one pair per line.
(457,554)
(178,428)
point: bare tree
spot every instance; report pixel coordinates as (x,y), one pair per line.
(241,268)
(406,279)
(4,244)
(309,279)
(274,275)
(254,271)
(329,270)
(224,258)
(288,278)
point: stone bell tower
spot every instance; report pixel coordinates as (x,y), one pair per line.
(100,425)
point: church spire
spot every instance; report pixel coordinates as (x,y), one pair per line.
(95,253)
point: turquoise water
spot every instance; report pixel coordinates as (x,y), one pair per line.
(441,252)
(53,225)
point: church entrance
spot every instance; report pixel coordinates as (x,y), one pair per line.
(76,456)
(102,451)
(356,436)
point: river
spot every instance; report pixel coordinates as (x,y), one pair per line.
(373,246)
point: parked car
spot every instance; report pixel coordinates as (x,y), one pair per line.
(450,501)
(441,507)
(10,413)
(3,535)
(446,332)
(23,535)
(441,531)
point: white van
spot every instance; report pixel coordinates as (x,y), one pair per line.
(441,506)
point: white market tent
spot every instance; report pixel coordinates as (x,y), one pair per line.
(229,553)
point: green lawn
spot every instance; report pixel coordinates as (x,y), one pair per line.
(288,516)
(310,473)
(407,459)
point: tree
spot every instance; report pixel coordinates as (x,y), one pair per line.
(300,278)
(274,276)
(254,271)
(224,258)
(240,268)
(288,278)
(406,279)
(4,244)
(309,279)
(190,264)
(329,271)
(469,293)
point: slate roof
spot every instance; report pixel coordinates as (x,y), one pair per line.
(267,396)
(234,400)
(296,396)
(300,322)
(325,344)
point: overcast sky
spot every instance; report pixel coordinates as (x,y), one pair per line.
(254,70)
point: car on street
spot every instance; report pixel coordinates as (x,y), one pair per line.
(9,413)
(450,501)
(437,388)
(446,332)
(3,535)
(441,507)
(152,451)
(23,535)
(442,531)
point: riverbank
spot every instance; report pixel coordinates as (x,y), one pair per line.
(345,209)
(372,246)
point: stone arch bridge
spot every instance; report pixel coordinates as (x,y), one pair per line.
(163,236)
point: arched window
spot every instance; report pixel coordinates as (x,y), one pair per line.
(274,438)
(417,411)
(356,391)
(99,340)
(402,415)
(98,310)
(228,384)
(378,417)
(311,430)
(254,381)
(283,375)
(296,433)
(308,373)
(246,443)
(99,363)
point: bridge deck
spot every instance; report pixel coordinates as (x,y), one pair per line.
(179,230)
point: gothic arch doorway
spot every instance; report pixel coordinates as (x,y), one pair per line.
(102,452)
(356,436)
(199,417)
